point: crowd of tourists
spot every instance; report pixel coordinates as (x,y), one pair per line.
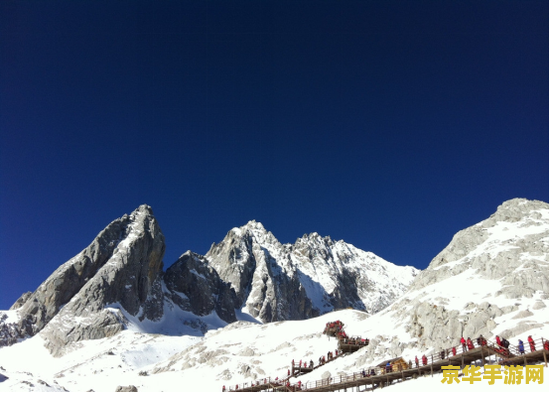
(336,329)
(467,344)
(303,365)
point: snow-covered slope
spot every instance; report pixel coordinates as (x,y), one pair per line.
(311,277)
(240,353)
(338,275)
(491,279)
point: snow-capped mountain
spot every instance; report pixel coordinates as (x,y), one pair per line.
(121,266)
(491,279)
(494,281)
(118,282)
(313,276)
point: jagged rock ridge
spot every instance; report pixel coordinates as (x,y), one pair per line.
(195,286)
(118,280)
(121,266)
(313,276)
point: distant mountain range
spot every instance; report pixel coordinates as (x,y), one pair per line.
(249,275)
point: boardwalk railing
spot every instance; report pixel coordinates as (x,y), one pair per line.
(378,375)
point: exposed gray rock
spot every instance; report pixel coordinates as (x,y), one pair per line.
(517,260)
(120,275)
(130,388)
(21,301)
(507,255)
(195,286)
(315,275)
(265,288)
(347,277)
(130,278)
(121,268)
(9,331)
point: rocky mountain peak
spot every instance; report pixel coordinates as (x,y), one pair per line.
(122,266)
(256,232)
(118,280)
(496,245)
(494,270)
(313,241)
(316,273)
(531,212)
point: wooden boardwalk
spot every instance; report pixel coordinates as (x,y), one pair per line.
(383,378)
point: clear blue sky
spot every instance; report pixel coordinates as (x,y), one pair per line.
(388,124)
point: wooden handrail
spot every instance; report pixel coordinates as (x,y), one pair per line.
(432,358)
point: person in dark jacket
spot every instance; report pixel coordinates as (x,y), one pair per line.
(521,347)
(481,341)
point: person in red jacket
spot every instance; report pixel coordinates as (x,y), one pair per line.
(531,343)
(416,361)
(463,342)
(470,344)
(454,351)
(498,341)
(424,360)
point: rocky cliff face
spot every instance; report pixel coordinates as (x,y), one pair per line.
(122,267)
(194,286)
(338,275)
(128,278)
(118,279)
(491,279)
(252,260)
(313,276)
